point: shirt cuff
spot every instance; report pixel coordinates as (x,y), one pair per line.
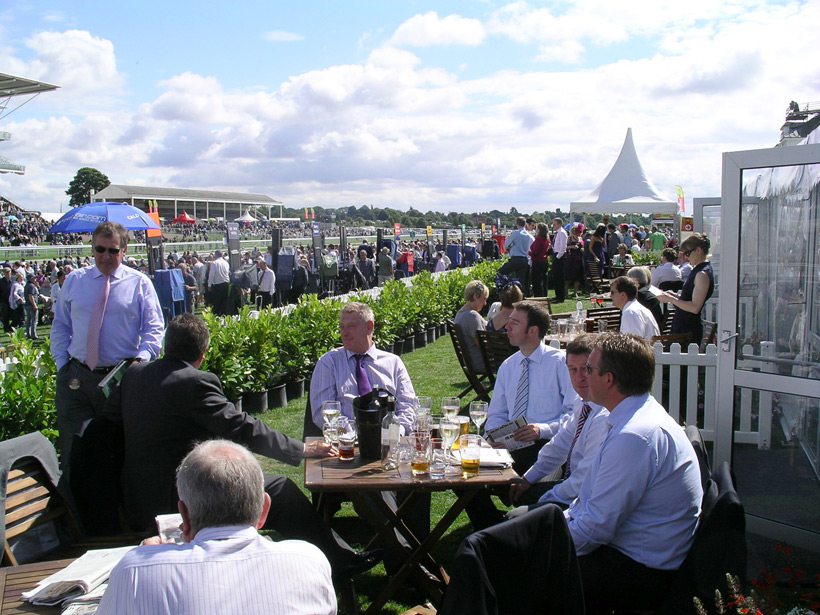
(545,431)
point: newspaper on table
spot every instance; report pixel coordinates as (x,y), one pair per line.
(80,577)
(86,604)
(504,434)
(490,457)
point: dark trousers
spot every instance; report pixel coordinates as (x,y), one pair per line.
(614,581)
(540,286)
(518,267)
(220,298)
(558,279)
(294,516)
(5,314)
(76,405)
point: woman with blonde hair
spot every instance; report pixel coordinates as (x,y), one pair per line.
(469,321)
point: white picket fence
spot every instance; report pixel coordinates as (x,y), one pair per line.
(700,369)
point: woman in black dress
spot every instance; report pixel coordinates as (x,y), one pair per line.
(696,291)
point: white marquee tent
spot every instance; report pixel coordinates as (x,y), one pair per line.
(625,190)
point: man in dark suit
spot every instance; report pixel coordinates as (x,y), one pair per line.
(167,406)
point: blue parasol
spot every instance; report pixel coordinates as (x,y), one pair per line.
(85,218)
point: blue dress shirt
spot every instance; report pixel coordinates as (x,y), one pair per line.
(642,493)
(132,326)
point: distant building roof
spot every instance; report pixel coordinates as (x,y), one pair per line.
(119,192)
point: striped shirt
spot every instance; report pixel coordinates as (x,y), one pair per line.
(223,570)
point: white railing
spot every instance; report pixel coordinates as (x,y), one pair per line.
(754,422)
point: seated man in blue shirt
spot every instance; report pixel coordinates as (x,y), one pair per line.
(636,513)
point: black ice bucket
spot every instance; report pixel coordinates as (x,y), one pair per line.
(368,426)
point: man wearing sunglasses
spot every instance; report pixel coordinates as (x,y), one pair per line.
(106,313)
(636,512)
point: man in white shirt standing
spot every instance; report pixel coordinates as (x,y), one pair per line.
(267,282)
(635,318)
(224,565)
(219,278)
(667,271)
(574,446)
(559,246)
(634,519)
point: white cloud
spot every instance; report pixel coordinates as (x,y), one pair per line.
(429,29)
(281,36)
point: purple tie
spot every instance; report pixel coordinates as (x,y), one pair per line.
(581,420)
(92,341)
(361,375)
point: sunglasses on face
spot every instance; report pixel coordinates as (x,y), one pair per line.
(102,250)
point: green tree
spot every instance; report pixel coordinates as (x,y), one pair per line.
(86,180)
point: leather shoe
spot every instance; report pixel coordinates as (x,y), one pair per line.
(358,563)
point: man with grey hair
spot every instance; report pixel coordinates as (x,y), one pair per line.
(224,565)
(645,296)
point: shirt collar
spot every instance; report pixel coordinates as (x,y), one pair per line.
(624,411)
(370,352)
(222,533)
(117,273)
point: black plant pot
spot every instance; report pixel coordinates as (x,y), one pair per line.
(277,396)
(421,339)
(295,388)
(409,344)
(255,403)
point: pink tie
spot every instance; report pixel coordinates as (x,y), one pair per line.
(92,342)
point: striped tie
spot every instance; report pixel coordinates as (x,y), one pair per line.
(581,420)
(522,393)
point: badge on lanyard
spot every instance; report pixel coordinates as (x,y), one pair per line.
(74,384)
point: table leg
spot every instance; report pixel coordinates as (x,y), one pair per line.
(421,551)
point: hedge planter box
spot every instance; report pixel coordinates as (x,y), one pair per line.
(295,388)
(277,396)
(409,344)
(387,347)
(255,403)
(421,339)
(432,334)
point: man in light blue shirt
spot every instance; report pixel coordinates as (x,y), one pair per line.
(132,327)
(636,513)
(517,246)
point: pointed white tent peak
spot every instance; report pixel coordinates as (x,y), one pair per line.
(246,217)
(626,189)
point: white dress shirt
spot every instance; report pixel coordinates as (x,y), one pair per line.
(267,281)
(551,395)
(554,453)
(667,272)
(334,378)
(637,319)
(559,246)
(222,570)
(220,272)
(642,493)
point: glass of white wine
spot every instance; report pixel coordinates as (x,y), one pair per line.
(450,407)
(478,413)
(449,432)
(331,411)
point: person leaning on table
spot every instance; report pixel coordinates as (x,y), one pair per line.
(224,565)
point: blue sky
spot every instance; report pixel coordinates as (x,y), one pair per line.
(452,106)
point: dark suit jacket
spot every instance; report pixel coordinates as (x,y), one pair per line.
(165,407)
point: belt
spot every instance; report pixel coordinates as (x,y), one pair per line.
(96,370)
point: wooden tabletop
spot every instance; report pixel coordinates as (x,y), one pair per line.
(14,580)
(332,474)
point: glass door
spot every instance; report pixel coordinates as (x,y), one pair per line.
(769,338)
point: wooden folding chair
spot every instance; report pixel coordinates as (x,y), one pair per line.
(495,349)
(38,523)
(672,338)
(595,278)
(476,381)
